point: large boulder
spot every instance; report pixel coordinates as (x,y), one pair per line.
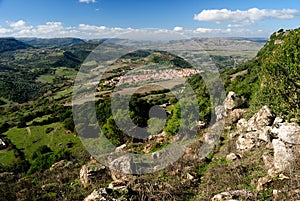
(287,132)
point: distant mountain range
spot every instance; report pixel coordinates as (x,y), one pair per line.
(42,42)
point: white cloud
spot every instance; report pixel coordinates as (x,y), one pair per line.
(87,27)
(234,25)
(247,16)
(18,24)
(49,27)
(209,30)
(87,1)
(87,31)
(4,30)
(177,29)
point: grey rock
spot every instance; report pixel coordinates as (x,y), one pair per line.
(220,112)
(283,156)
(262,182)
(233,101)
(268,160)
(231,157)
(122,164)
(287,132)
(121,148)
(242,124)
(103,194)
(264,134)
(264,117)
(240,194)
(246,141)
(235,115)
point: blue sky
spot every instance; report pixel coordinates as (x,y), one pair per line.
(108,18)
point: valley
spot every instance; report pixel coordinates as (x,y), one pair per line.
(246,88)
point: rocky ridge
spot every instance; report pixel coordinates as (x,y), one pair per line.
(279,140)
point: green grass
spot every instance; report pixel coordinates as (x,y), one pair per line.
(66,72)
(31,138)
(7,157)
(60,94)
(46,79)
(39,119)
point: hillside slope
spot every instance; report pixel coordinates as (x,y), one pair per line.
(11,44)
(273,76)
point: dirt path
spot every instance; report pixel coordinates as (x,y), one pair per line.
(233,76)
(28,130)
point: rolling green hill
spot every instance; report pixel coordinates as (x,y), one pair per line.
(51,42)
(11,44)
(37,125)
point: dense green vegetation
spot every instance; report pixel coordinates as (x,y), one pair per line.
(52,42)
(11,44)
(273,76)
(28,73)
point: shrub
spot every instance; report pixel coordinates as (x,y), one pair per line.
(45,161)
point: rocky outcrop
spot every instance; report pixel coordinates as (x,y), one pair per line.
(258,128)
(282,137)
(103,194)
(230,108)
(264,117)
(122,164)
(233,101)
(280,141)
(287,132)
(89,172)
(235,115)
(234,195)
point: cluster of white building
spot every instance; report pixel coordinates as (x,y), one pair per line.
(166,74)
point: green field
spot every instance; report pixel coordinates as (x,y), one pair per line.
(31,138)
(46,79)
